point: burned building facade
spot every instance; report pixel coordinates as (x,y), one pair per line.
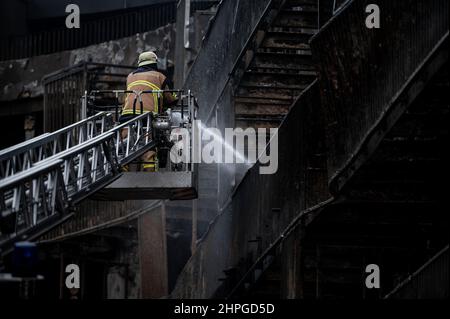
(361,112)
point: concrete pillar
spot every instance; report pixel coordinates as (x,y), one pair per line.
(153,253)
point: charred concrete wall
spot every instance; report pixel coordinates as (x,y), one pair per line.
(109,264)
(248,221)
(265,209)
(262,206)
(124,279)
(21,89)
(362,89)
(22,78)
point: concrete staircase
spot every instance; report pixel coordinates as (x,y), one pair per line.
(281,67)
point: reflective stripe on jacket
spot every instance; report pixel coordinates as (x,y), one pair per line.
(146,81)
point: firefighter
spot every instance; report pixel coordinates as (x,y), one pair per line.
(145,78)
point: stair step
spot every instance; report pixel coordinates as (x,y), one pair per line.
(392,215)
(289,40)
(407,149)
(352,278)
(257,122)
(293,29)
(273,61)
(350,262)
(284,52)
(269,93)
(274,68)
(250,100)
(291,81)
(425,170)
(431,109)
(306,9)
(393,191)
(291,18)
(293,3)
(242,109)
(279,71)
(416,125)
(299,87)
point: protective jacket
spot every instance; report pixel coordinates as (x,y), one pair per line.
(145,79)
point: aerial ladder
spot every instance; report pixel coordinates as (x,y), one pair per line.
(42,179)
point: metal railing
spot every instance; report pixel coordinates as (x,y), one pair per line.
(63,89)
(83,159)
(431,281)
(181,116)
(21,157)
(47,190)
(33,195)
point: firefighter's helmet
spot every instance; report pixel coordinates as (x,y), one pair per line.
(147,58)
